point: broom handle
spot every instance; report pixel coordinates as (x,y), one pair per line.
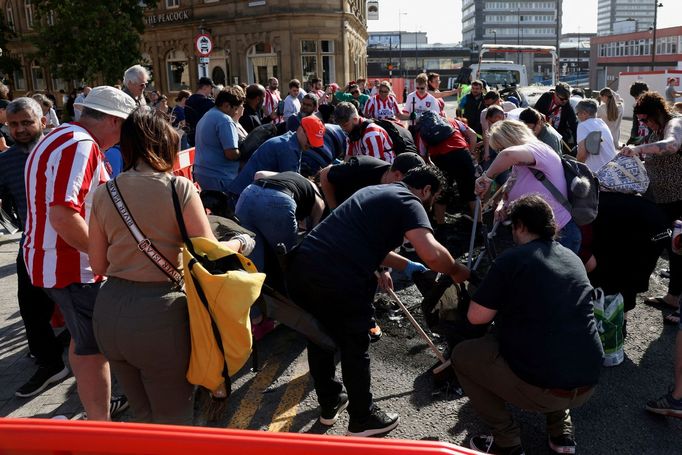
(416,325)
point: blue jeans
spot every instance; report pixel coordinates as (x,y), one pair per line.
(271,215)
(571,237)
(213,183)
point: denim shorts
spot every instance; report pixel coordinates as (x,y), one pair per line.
(77,302)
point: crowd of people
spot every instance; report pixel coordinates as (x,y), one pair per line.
(338,178)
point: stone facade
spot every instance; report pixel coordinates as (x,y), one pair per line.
(252,41)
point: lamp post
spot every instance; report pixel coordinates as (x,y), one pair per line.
(494,32)
(653,42)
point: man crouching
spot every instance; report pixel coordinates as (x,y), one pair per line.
(544,354)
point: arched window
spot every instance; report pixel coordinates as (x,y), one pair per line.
(261,63)
(9,15)
(178,71)
(218,76)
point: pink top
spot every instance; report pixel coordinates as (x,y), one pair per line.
(547,161)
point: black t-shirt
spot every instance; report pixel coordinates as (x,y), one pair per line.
(195,108)
(545,322)
(358,172)
(343,251)
(303,190)
(251,118)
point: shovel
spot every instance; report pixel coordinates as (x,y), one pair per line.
(444,363)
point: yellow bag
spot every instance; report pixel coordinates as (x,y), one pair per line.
(221,286)
(229,296)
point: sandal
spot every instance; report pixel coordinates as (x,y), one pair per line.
(672,318)
(660,302)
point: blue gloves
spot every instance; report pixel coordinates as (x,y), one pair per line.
(414,267)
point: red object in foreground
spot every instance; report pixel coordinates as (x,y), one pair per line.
(184,162)
(43,436)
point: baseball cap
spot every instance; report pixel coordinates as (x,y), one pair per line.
(407,161)
(204,81)
(109,100)
(314,130)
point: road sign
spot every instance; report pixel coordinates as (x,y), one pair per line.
(203,45)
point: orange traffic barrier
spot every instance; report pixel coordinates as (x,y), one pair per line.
(43,437)
(184,162)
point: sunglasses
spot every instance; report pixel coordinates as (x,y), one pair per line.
(354,92)
(561,98)
(384,91)
(421,88)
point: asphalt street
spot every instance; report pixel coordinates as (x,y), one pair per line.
(279,397)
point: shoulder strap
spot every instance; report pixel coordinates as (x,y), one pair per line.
(181,220)
(552,189)
(143,243)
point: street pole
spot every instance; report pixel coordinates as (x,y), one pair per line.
(400,43)
(518,34)
(653,43)
(416,61)
(578,53)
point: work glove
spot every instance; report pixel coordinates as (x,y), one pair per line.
(247,242)
(414,267)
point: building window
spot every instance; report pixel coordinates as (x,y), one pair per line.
(38,77)
(178,71)
(10,16)
(19,80)
(308,47)
(172,4)
(314,52)
(28,9)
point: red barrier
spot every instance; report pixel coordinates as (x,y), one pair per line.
(42,437)
(184,163)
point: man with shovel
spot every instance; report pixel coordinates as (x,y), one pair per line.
(332,275)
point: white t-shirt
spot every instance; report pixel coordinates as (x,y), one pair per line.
(606,151)
(421,104)
(292,106)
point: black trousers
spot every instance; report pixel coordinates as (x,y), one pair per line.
(36,310)
(673,211)
(347,316)
(458,167)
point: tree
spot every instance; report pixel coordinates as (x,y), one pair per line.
(85,39)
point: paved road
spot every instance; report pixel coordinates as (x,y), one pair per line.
(280,397)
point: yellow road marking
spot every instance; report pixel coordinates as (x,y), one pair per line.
(251,401)
(288,406)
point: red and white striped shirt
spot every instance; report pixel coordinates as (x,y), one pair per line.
(375,142)
(63,170)
(270,103)
(377,108)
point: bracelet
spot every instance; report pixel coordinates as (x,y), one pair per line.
(485,174)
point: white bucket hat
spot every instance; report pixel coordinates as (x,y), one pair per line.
(109,100)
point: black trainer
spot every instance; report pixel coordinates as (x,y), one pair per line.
(328,416)
(42,378)
(117,405)
(377,423)
(486,444)
(562,444)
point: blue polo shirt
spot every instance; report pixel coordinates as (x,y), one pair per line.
(216,132)
(279,154)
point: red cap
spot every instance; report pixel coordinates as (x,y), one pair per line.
(314,130)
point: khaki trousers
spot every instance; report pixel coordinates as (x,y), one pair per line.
(489,383)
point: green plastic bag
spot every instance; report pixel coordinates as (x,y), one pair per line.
(609,312)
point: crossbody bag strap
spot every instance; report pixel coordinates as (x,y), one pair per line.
(197,286)
(552,189)
(143,243)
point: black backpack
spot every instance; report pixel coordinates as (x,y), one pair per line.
(400,136)
(433,128)
(582,187)
(255,138)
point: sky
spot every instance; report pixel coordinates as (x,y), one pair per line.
(442,19)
